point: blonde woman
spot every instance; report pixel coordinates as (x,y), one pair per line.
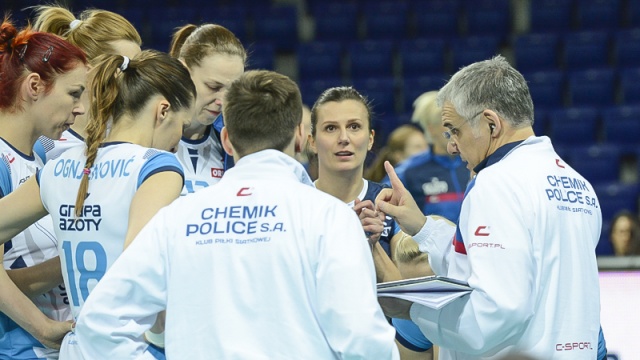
(96,32)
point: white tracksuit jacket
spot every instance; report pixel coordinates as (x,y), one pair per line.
(525,243)
(259,266)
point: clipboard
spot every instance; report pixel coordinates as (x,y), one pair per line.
(431,291)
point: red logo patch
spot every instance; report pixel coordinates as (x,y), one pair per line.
(558,163)
(482,231)
(217,173)
(245,191)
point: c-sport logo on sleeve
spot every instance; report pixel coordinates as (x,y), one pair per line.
(482,231)
(245,191)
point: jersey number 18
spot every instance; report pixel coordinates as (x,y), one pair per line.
(85,274)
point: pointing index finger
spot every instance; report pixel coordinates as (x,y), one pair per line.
(396,184)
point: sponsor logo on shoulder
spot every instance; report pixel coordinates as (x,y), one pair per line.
(216,172)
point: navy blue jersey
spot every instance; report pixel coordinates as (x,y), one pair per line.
(390,226)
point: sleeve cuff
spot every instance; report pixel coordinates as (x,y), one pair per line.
(422,236)
(426,319)
(435,235)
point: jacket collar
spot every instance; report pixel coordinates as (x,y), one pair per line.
(267,162)
(504,150)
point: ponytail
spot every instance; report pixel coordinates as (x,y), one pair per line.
(191,44)
(54,19)
(93,30)
(27,51)
(119,86)
(103,97)
(178,39)
(7,35)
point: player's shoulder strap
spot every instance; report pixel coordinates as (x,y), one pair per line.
(38,149)
(5,177)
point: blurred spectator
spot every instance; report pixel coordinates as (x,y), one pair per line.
(403,142)
(624,234)
(435,179)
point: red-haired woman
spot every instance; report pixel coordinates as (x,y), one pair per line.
(41,80)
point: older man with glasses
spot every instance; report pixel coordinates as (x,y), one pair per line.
(526,237)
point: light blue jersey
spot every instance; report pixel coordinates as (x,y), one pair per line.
(33,246)
(53,148)
(90,243)
(204,160)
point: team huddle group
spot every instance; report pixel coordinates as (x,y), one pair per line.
(116,244)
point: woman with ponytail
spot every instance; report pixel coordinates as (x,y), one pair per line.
(122,178)
(215,58)
(96,32)
(41,80)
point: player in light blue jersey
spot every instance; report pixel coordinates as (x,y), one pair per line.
(41,80)
(123,178)
(214,57)
(341,135)
(96,32)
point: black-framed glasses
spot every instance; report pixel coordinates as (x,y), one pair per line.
(448,134)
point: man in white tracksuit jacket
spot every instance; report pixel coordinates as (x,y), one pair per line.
(526,237)
(260,266)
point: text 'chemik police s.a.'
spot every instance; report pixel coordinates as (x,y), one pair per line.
(239,220)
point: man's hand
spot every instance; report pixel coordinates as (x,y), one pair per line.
(398,203)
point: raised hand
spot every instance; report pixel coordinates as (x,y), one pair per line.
(398,203)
